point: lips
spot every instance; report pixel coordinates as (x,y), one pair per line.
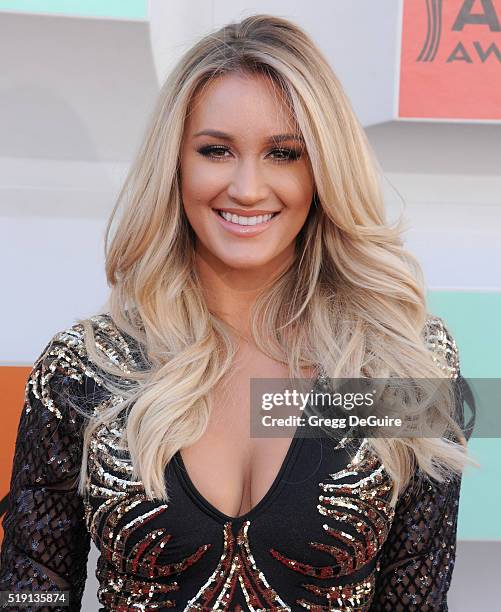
(247,213)
(248,220)
(244,230)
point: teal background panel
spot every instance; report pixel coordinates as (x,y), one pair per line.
(124,9)
(474,320)
(480,497)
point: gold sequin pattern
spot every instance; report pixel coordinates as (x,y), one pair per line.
(355,521)
(442,345)
(237,566)
(358,502)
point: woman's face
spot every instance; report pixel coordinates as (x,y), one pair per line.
(240,164)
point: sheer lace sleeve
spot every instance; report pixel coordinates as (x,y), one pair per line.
(46,543)
(417,559)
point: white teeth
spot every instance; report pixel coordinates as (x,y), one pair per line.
(245,220)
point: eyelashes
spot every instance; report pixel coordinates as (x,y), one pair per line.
(216,153)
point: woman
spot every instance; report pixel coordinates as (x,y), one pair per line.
(253,244)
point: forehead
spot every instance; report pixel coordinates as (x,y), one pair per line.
(240,103)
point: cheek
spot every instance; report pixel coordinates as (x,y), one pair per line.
(297,196)
(198,184)
(295,187)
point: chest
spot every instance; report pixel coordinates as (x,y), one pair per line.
(231,469)
(315,536)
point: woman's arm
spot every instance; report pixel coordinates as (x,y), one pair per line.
(46,543)
(417,559)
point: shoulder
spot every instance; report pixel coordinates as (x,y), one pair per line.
(440,341)
(108,339)
(66,366)
(69,345)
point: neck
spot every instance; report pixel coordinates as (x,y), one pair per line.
(230,292)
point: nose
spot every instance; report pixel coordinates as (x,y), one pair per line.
(247,185)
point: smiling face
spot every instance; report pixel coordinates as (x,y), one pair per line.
(246,180)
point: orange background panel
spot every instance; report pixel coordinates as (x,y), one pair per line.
(450,80)
(12,382)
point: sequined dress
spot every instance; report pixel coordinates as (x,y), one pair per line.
(324,537)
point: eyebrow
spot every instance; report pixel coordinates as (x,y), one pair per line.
(271,140)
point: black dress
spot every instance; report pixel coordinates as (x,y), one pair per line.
(324,536)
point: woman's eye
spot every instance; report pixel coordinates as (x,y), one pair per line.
(217,152)
(287,154)
(213,152)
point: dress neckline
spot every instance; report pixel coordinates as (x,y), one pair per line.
(205,505)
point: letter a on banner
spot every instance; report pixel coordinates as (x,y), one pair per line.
(450,60)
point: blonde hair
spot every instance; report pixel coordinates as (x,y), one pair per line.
(352,302)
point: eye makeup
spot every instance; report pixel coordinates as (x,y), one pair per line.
(212,152)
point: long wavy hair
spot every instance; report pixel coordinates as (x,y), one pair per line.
(352,302)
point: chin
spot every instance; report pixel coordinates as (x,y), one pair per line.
(245,262)
(246,265)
